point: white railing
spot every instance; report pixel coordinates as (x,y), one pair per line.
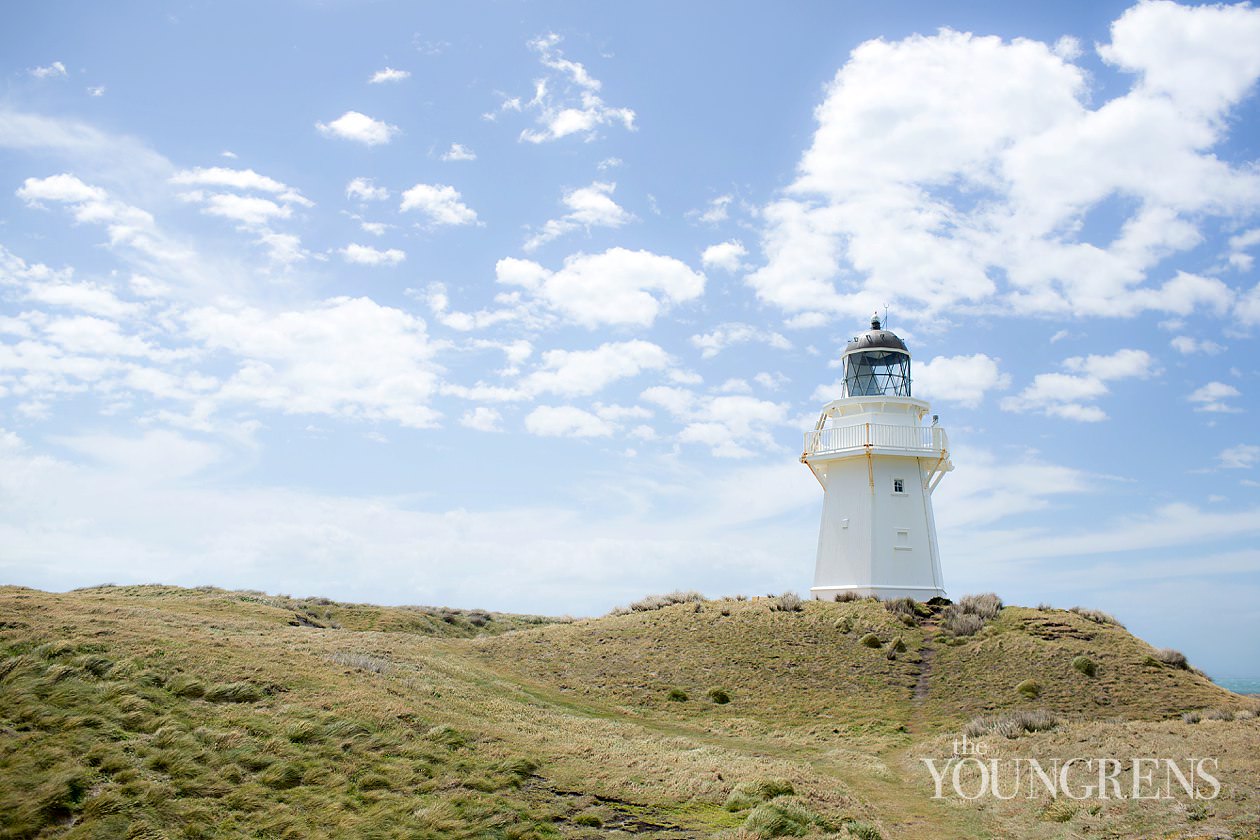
(876,436)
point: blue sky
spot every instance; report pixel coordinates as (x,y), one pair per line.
(526,305)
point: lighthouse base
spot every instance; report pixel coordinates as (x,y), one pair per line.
(884,593)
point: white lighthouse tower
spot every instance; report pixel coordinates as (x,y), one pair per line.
(878,464)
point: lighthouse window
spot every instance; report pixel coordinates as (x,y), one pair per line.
(898,486)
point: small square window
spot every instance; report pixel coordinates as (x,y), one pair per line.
(899,486)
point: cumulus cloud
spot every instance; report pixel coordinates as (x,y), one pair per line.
(458,152)
(360,128)
(367,255)
(717,210)
(726,335)
(727,256)
(566,101)
(1212,398)
(252,213)
(589,207)
(125,224)
(441,204)
(482,419)
(616,287)
(389,74)
(344,357)
(584,372)
(56,70)
(364,190)
(1188,345)
(961,379)
(1071,395)
(731,425)
(954,170)
(566,421)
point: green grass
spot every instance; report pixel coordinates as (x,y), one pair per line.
(165,712)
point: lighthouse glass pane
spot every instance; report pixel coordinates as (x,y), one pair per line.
(877,373)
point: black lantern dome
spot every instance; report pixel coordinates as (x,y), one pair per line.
(876,364)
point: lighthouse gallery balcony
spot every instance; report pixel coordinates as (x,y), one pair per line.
(860,438)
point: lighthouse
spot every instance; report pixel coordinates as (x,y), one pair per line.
(878,462)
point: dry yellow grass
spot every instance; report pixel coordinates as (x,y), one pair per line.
(209,713)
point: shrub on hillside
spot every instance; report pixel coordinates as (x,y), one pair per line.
(986,605)
(1085,665)
(720,696)
(870,640)
(1029,688)
(959,623)
(846,597)
(901,606)
(677,695)
(1172,658)
(1191,717)
(787,602)
(657,602)
(1096,616)
(1012,724)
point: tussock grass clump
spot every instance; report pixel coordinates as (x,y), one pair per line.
(787,602)
(677,695)
(846,597)
(1012,724)
(862,831)
(870,640)
(1218,714)
(746,795)
(1085,665)
(844,625)
(1029,688)
(986,605)
(185,686)
(968,616)
(237,692)
(780,819)
(897,645)
(658,602)
(447,736)
(720,696)
(958,623)
(1059,810)
(1172,658)
(1096,616)
(1191,717)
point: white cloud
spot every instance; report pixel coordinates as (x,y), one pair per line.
(727,256)
(239,179)
(367,255)
(125,224)
(389,74)
(567,101)
(1070,395)
(364,190)
(732,426)
(1188,346)
(566,421)
(1244,456)
(1212,396)
(589,207)
(961,379)
(313,361)
(726,335)
(375,228)
(482,419)
(582,372)
(954,170)
(458,152)
(1238,245)
(718,210)
(360,128)
(615,287)
(440,203)
(56,70)
(250,211)
(95,90)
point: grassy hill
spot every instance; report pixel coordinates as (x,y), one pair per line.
(166,712)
